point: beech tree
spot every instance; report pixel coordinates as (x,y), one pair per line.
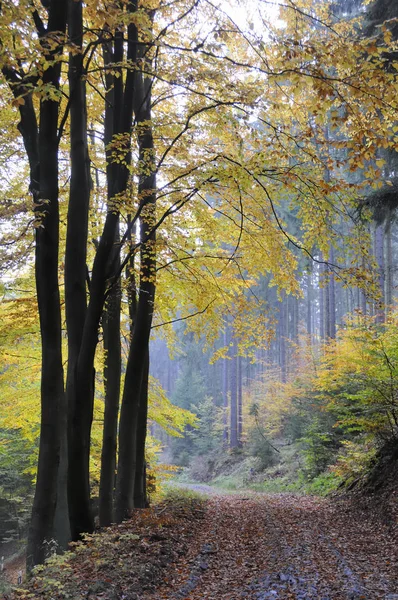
(39,131)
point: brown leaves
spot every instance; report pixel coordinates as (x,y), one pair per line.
(268,546)
(283,545)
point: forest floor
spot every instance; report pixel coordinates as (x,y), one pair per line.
(234,547)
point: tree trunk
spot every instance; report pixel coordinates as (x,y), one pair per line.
(379,253)
(139,347)
(233,382)
(321,306)
(75,262)
(389,262)
(309,303)
(111,318)
(48,297)
(240,401)
(282,338)
(225,390)
(112,370)
(332,297)
(326,296)
(103,269)
(140,493)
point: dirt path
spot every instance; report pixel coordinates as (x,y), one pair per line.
(283,547)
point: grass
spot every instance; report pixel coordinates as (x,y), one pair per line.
(181,494)
(320,486)
(243,473)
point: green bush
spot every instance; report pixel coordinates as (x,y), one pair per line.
(260,448)
(320,445)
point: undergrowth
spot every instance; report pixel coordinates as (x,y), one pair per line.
(122,560)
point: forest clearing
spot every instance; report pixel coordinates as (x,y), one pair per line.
(198,286)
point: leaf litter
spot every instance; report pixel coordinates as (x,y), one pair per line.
(257,546)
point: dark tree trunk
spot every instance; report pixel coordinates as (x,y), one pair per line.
(75,275)
(103,269)
(140,493)
(111,317)
(42,151)
(46,270)
(112,370)
(139,347)
(134,379)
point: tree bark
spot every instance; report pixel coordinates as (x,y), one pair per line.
(48,298)
(389,262)
(321,307)
(233,382)
(326,303)
(282,338)
(111,317)
(240,401)
(75,277)
(379,253)
(140,494)
(309,303)
(102,273)
(139,348)
(332,297)
(225,390)
(112,370)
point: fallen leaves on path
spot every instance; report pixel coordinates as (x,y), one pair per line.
(233,548)
(287,546)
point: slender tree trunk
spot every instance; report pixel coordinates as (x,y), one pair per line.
(140,493)
(139,347)
(240,401)
(233,381)
(379,253)
(309,303)
(132,393)
(225,390)
(389,262)
(282,338)
(48,297)
(75,267)
(112,369)
(363,306)
(326,303)
(295,318)
(111,317)
(332,297)
(321,306)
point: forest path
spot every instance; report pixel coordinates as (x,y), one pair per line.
(284,546)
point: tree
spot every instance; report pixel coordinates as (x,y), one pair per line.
(40,137)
